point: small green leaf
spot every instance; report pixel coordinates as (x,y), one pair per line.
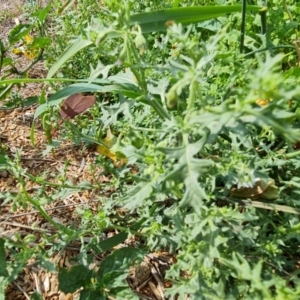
(8,61)
(3,271)
(42,14)
(114,267)
(3,161)
(36,296)
(70,280)
(95,295)
(110,242)
(40,42)
(18,32)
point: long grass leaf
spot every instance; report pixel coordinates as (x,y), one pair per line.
(78,45)
(160,19)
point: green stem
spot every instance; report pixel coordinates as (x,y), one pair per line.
(296,41)
(267,48)
(191,97)
(52,184)
(291,155)
(263,18)
(125,229)
(243,25)
(140,73)
(39,208)
(2,53)
(35,61)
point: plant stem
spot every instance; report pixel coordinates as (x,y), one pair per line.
(243,25)
(39,208)
(296,43)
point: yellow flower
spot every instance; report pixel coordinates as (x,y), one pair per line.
(26,50)
(263,102)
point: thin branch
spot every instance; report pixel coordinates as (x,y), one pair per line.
(35,61)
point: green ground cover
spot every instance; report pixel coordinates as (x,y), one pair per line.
(206,113)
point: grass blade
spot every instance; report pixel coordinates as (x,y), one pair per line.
(158,20)
(73,49)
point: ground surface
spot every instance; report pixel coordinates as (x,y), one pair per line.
(15,134)
(15,128)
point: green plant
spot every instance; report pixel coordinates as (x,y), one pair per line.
(33,48)
(212,134)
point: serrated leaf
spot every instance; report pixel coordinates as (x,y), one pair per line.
(212,25)
(136,196)
(194,193)
(176,152)
(124,77)
(123,106)
(188,169)
(122,294)
(99,70)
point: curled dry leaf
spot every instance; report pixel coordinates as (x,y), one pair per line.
(262,189)
(76,104)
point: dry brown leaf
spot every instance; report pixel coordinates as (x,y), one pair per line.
(262,189)
(76,104)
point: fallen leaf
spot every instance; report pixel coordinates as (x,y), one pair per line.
(76,104)
(262,189)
